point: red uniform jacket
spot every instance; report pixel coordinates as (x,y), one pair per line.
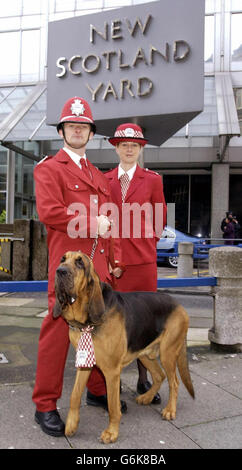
(59,183)
(145,187)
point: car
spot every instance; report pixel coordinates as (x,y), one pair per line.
(167,246)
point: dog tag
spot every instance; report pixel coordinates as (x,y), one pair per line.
(81,357)
(85,355)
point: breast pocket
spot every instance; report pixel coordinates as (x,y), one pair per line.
(76,186)
(75,191)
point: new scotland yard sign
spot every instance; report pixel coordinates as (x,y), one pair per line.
(140,63)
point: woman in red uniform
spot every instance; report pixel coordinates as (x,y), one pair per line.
(138,193)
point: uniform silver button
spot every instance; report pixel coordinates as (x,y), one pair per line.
(95,201)
(76,186)
(102,250)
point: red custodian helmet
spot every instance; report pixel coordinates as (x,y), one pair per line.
(128,132)
(76,110)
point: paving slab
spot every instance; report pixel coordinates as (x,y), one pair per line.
(18,428)
(225,433)
(140,428)
(20,311)
(16,320)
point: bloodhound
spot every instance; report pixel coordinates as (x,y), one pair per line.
(127,325)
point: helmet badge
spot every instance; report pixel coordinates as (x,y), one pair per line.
(77,108)
(129,132)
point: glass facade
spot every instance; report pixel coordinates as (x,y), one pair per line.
(235,198)
(238,102)
(236,41)
(3,180)
(192,197)
(24,29)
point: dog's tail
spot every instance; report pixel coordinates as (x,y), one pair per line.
(184,370)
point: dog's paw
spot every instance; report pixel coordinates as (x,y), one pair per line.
(71,425)
(144,399)
(108,436)
(168,414)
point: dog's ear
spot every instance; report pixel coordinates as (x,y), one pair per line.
(57,310)
(96,306)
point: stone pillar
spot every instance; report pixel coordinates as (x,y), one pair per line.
(220,197)
(225,263)
(39,255)
(185,259)
(21,250)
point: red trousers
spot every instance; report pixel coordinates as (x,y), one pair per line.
(52,353)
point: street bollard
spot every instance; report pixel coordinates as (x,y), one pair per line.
(185,259)
(225,263)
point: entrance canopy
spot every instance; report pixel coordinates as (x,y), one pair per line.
(23,114)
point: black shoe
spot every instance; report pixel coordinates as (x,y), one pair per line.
(144,387)
(50,423)
(101,400)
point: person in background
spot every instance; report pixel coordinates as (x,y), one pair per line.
(236,230)
(131,184)
(227,227)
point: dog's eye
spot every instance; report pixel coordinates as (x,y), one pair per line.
(63,259)
(79,262)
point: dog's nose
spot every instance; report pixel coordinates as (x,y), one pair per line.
(62,271)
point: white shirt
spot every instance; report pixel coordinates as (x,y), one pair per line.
(74,156)
(130,172)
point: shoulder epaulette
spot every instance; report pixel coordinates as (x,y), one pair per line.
(151,171)
(44,159)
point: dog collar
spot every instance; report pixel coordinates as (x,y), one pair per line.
(82,328)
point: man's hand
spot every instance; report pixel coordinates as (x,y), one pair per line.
(103,225)
(116,272)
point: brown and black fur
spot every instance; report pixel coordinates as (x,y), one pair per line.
(144,325)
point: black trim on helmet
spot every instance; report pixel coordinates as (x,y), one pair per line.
(60,125)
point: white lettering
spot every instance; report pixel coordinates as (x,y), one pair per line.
(110,90)
(138,24)
(103,35)
(94,92)
(58,63)
(70,63)
(138,221)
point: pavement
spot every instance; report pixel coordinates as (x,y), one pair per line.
(212,421)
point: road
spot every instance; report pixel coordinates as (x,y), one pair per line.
(199,304)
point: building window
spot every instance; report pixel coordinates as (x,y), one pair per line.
(192,197)
(10,56)
(236,5)
(200,203)
(30,55)
(21,56)
(176,190)
(3,179)
(235,197)
(236,41)
(31,8)
(238,103)
(209,43)
(64,5)
(13,8)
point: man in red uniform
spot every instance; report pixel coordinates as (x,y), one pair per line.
(134,188)
(69,193)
